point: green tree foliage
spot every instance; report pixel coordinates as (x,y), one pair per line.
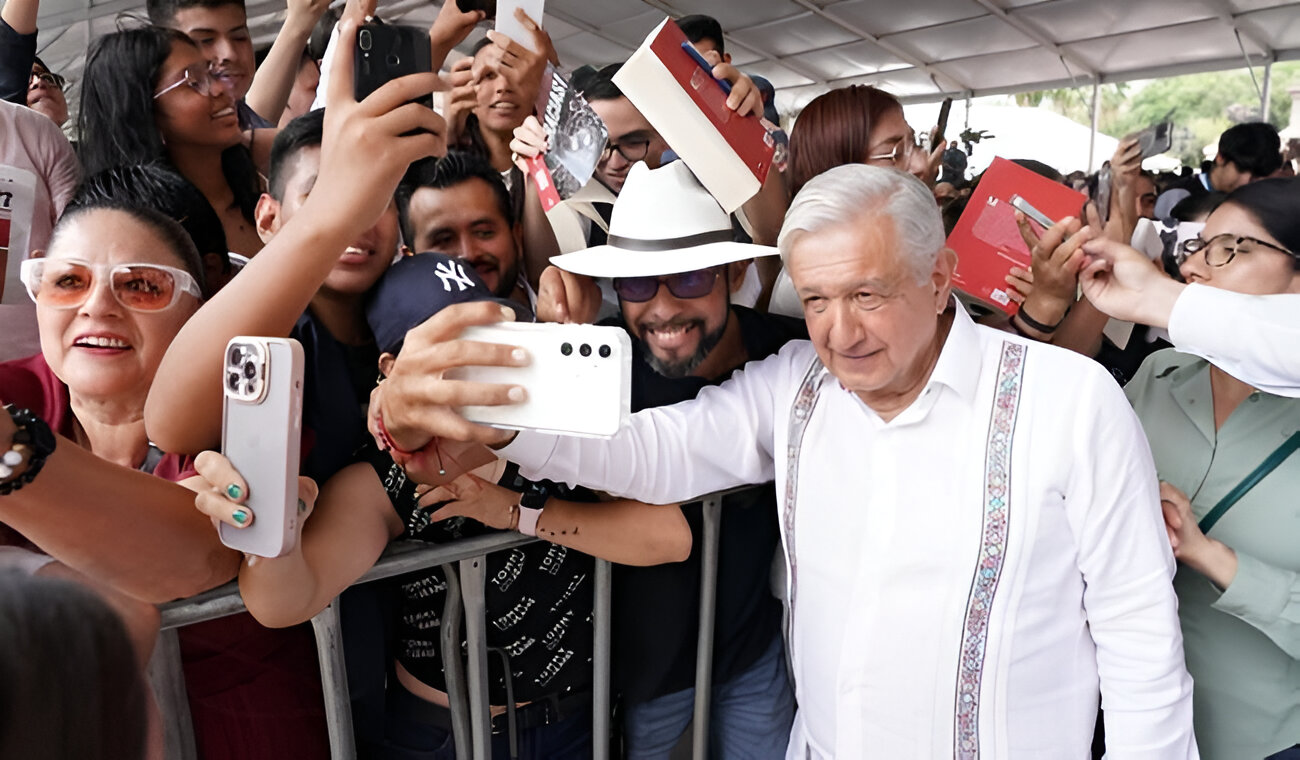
(1200,105)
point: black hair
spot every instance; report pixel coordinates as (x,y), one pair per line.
(156,187)
(449,171)
(305,131)
(700,27)
(116,119)
(163,12)
(69,679)
(1275,204)
(600,84)
(1254,148)
(1194,208)
(478,46)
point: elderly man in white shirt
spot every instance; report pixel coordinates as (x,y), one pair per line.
(1253,338)
(970,520)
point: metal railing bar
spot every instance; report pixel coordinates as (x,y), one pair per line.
(600,661)
(712,508)
(473,575)
(453,668)
(334,682)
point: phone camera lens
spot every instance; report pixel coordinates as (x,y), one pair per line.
(585,350)
(232,381)
(393,60)
(363,39)
(235,356)
(566,348)
(250,370)
(604,352)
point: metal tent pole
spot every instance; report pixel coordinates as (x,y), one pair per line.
(1266,95)
(1096,119)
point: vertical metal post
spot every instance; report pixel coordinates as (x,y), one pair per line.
(473,575)
(168,682)
(453,667)
(1266,96)
(600,662)
(712,507)
(334,682)
(1096,121)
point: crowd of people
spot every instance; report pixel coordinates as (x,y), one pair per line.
(947,532)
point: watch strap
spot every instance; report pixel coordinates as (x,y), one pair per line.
(530,511)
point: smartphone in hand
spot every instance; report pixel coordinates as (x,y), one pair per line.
(511,27)
(942,126)
(1026,208)
(489,7)
(386,52)
(579,379)
(261,432)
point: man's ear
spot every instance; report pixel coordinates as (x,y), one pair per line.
(38,254)
(386,363)
(941,278)
(726,57)
(736,271)
(267,214)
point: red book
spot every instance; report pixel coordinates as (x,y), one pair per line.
(729,153)
(987,239)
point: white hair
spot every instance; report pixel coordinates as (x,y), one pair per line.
(850,192)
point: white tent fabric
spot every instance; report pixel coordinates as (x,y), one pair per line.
(920,50)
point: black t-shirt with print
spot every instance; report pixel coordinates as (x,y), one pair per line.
(657,609)
(538,598)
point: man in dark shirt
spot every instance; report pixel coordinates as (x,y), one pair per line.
(687,336)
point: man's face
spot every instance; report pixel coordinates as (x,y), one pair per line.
(1226,176)
(500,106)
(369,256)
(222,35)
(1146,197)
(873,325)
(465,221)
(709,49)
(631,135)
(45,97)
(677,334)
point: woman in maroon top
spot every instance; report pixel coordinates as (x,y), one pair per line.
(115,287)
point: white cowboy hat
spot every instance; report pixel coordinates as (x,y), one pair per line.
(664,222)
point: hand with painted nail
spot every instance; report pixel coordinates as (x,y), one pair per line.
(225,497)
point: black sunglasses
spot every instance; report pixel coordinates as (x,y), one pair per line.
(695,284)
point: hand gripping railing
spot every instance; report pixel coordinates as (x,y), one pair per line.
(467,690)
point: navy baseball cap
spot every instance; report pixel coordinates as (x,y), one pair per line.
(419,286)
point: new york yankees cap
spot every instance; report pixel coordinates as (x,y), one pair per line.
(419,286)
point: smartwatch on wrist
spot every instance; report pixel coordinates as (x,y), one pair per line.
(530,509)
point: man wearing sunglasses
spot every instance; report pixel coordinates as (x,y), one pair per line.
(674,267)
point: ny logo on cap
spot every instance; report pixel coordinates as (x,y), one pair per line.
(452,272)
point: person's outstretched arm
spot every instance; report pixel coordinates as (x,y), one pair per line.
(125,528)
(364,153)
(273,80)
(17,48)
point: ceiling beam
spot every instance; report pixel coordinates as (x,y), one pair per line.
(1226,14)
(1067,59)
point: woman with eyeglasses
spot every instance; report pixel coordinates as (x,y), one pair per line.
(147,96)
(116,285)
(1225,454)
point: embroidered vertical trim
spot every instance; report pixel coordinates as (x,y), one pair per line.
(993,545)
(800,413)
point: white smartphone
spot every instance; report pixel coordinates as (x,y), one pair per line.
(1024,207)
(579,380)
(510,26)
(261,432)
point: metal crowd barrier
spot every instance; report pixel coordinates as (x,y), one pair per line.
(467,686)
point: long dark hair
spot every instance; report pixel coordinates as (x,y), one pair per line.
(69,680)
(116,119)
(1275,204)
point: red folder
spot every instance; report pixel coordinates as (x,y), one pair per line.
(731,154)
(987,239)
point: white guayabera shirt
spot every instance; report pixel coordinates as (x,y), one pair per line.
(964,578)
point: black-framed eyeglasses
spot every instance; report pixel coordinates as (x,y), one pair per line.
(694,284)
(196,75)
(631,150)
(48,77)
(1221,249)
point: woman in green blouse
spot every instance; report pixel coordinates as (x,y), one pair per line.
(1238,580)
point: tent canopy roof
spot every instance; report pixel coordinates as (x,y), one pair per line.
(920,50)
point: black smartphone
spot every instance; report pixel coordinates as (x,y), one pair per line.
(489,7)
(942,128)
(1155,139)
(386,52)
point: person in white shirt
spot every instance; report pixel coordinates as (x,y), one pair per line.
(970,520)
(1252,338)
